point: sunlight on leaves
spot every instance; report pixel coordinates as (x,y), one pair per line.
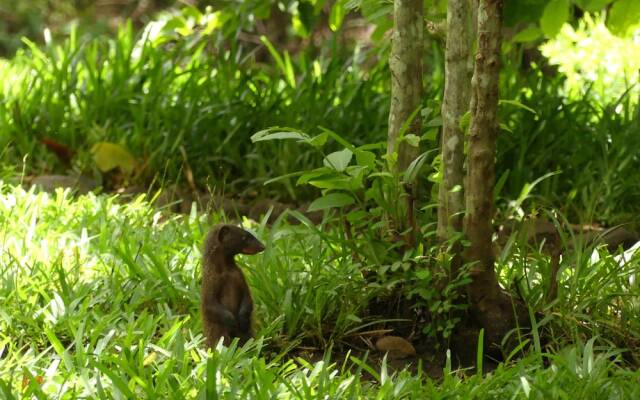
(595,61)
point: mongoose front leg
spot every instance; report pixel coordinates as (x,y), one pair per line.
(218,312)
(244,316)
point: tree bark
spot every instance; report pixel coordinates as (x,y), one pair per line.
(454,105)
(405,63)
(493,307)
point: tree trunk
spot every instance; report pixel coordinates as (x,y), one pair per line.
(405,63)
(492,307)
(454,105)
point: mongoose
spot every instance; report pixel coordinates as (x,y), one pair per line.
(226,303)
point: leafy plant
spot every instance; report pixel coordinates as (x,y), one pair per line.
(373,211)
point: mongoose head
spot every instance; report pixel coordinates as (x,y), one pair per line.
(232,240)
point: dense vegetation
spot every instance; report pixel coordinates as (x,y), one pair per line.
(100,300)
(202,107)
(100,293)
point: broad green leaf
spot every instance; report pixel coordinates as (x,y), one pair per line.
(623,15)
(275,133)
(315,174)
(383,26)
(356,170)
(108,156)
(356,173)
(338,160)
(211,22)
(529,34)
(430,135)
(523,11)
(555,14)
(412,140)
(374,10)
(331,200)
(434,123)
(318,5)
(192,12)
(306,17)
(319,140)
(365,158)
(332,183)
(435,177)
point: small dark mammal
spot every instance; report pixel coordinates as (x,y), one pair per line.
(226,303)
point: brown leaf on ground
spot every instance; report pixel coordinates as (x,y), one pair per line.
(63,152)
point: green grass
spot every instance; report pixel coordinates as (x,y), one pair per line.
(591,145)
(102,287)
(100,300)
(189,102)
(178,102)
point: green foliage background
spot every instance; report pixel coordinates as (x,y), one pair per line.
(100,298)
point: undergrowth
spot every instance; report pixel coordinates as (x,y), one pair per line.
(184,101)
(100,300)
(180,102)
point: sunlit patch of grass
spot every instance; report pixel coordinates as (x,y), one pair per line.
(76,294)
(100,296)
(99,299)
(596,62)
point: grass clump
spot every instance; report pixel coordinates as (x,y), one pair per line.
(589,145)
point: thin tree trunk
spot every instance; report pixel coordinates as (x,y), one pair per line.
(454,105)
(405,63)
(492,307)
